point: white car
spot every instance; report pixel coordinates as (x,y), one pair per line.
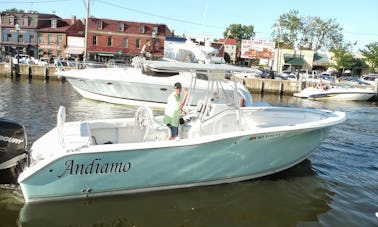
(370,78)
(22,59)
(43,61)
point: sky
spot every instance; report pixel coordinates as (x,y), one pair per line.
(210,18)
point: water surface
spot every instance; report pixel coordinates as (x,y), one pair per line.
(336,186)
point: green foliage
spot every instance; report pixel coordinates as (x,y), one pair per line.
(239,32)
(14,10)
(313,33)
(343,59)
(371,55)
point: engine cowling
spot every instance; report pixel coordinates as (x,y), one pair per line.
(13,151)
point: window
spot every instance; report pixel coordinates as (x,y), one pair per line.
(53,23)
(110,39)
(99,25)
(94,40)
(142,28)
(32,39)
(125,43)
(50,39)
(20,38)
(137,44)
(60,39)
(121,27)
(40,38)
(157,44)
(25,21)
(11,20)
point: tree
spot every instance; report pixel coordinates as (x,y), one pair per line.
(239,32)
(343,59)
(288,27)
(324,34)
(14,10)
(307,33)
(371,55)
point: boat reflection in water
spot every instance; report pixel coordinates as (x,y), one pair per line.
(297,192)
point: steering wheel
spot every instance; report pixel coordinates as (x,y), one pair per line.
(143,117)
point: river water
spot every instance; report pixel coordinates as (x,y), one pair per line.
(336,186)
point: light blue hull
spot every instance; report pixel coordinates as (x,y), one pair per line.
(112,171)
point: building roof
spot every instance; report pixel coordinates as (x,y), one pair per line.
(130,27)
(228,41)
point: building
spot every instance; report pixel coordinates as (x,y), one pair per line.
(19,32)
(230,49)
(116,39)
(35,34)
(44,35)
(75,39)
(52,37)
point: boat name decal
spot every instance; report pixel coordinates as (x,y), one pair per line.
(267,136)
(11,139)
(95,167)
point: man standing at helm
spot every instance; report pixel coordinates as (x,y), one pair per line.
(175,104)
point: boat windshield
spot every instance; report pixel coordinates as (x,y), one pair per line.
(180,55)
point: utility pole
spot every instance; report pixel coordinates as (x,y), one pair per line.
(17,26)
(278,46)
(86,30)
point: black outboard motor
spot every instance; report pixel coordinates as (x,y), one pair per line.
(13,153)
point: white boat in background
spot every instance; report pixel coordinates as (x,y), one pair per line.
(219,142)
(336,93)
(142,84)
(371,79)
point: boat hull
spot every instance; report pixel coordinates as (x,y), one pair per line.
(343,96)
(347,94)
(108,170)
(130,86)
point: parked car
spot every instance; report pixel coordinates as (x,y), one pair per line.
(305,73)
(23,59)
(328,77)
(370,78)
(281,76)
(286,75)
(268,74)
(43,61)
(352,80)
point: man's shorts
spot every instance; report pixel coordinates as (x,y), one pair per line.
(174,130)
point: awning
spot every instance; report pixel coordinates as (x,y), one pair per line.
(74,50)
(105,54)
(294,59)
(320,59)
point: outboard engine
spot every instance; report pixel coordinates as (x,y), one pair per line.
(13,153)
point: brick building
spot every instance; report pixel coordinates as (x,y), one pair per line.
(230,49)
(42,35)
(52,38)
(115,39)
(35,34)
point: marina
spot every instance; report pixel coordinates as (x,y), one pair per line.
(335,186)
(257,85)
